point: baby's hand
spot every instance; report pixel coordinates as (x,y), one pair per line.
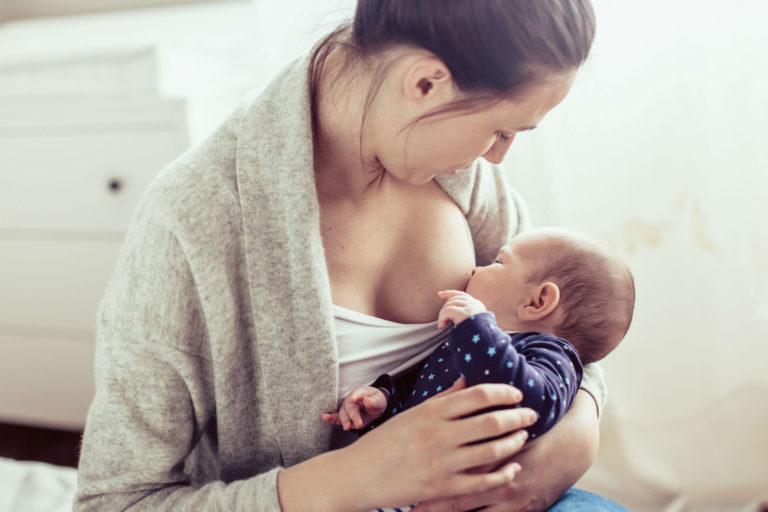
(360,407)
(458,307)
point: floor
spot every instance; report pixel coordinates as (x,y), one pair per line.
(57,447)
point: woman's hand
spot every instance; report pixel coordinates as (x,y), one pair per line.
(420,454)
(550,466)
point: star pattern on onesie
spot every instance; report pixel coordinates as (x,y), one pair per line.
(533,362)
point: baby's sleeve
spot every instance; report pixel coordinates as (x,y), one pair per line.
(545,368)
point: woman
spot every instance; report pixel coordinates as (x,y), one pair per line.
(330,195)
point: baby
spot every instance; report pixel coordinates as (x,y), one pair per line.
(566,300)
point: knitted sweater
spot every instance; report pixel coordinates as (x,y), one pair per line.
(219,313)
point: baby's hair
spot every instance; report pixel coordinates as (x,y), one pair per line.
(597,291)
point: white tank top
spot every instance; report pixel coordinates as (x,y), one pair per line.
(370,346)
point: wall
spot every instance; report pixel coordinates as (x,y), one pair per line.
(660,150)
(17,9)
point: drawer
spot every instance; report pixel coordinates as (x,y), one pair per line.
(45,381)
(53,286)
(83,170)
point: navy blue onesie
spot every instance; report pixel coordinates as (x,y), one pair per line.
(544,367)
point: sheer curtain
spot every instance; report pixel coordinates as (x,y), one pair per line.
(661,150)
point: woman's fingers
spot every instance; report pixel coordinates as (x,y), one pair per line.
(495,423)
(478,398)
(479,499)
(489,452)
(441,439)
(475,484)
(459,384)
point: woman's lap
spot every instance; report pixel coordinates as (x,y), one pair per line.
(577,500)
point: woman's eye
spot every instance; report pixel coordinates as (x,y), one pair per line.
(503,137)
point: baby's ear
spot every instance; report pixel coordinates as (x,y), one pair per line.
(544,299)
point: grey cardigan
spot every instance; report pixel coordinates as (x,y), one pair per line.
(216,352)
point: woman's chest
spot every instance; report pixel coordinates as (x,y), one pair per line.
(390,256)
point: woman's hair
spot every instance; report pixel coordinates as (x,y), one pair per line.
(493,48)
(597,291)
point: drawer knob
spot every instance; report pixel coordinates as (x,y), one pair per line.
(115,185)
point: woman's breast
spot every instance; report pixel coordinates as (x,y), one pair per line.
(391,259)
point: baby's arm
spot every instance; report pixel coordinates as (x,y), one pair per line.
(545,368)
(360,408)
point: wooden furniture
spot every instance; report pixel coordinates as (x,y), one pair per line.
(71,173)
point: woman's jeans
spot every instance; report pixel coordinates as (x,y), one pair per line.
(576,500)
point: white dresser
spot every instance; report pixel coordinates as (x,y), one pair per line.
(71,172)
(85,123)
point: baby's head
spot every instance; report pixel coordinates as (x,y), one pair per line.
(558,281)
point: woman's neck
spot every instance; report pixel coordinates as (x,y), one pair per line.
(344,165)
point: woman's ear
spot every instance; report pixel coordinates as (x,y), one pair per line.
(544,299)
(427,77)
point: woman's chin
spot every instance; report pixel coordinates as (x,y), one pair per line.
(456,171)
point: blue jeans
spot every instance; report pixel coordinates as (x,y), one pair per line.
(576,500)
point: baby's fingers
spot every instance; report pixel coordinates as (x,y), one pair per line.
(447,294)
(374,406)
(346,424)
(448,314)
(352,410)
(331,417)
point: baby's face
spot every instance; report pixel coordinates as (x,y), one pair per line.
(502,285)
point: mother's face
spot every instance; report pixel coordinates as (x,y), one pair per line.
(450,142)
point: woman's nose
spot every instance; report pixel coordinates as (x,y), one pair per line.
(498,150)
(474,270)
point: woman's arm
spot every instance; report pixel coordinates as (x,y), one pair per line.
(550,466)
(142,426)
(138,438)
(420,454)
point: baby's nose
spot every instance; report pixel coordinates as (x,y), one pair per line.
(474,270)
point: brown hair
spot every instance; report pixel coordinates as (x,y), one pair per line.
(597,291)
(497,46)
(493,48)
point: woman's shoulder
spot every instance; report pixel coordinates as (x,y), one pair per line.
(207,174)
(199,183)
